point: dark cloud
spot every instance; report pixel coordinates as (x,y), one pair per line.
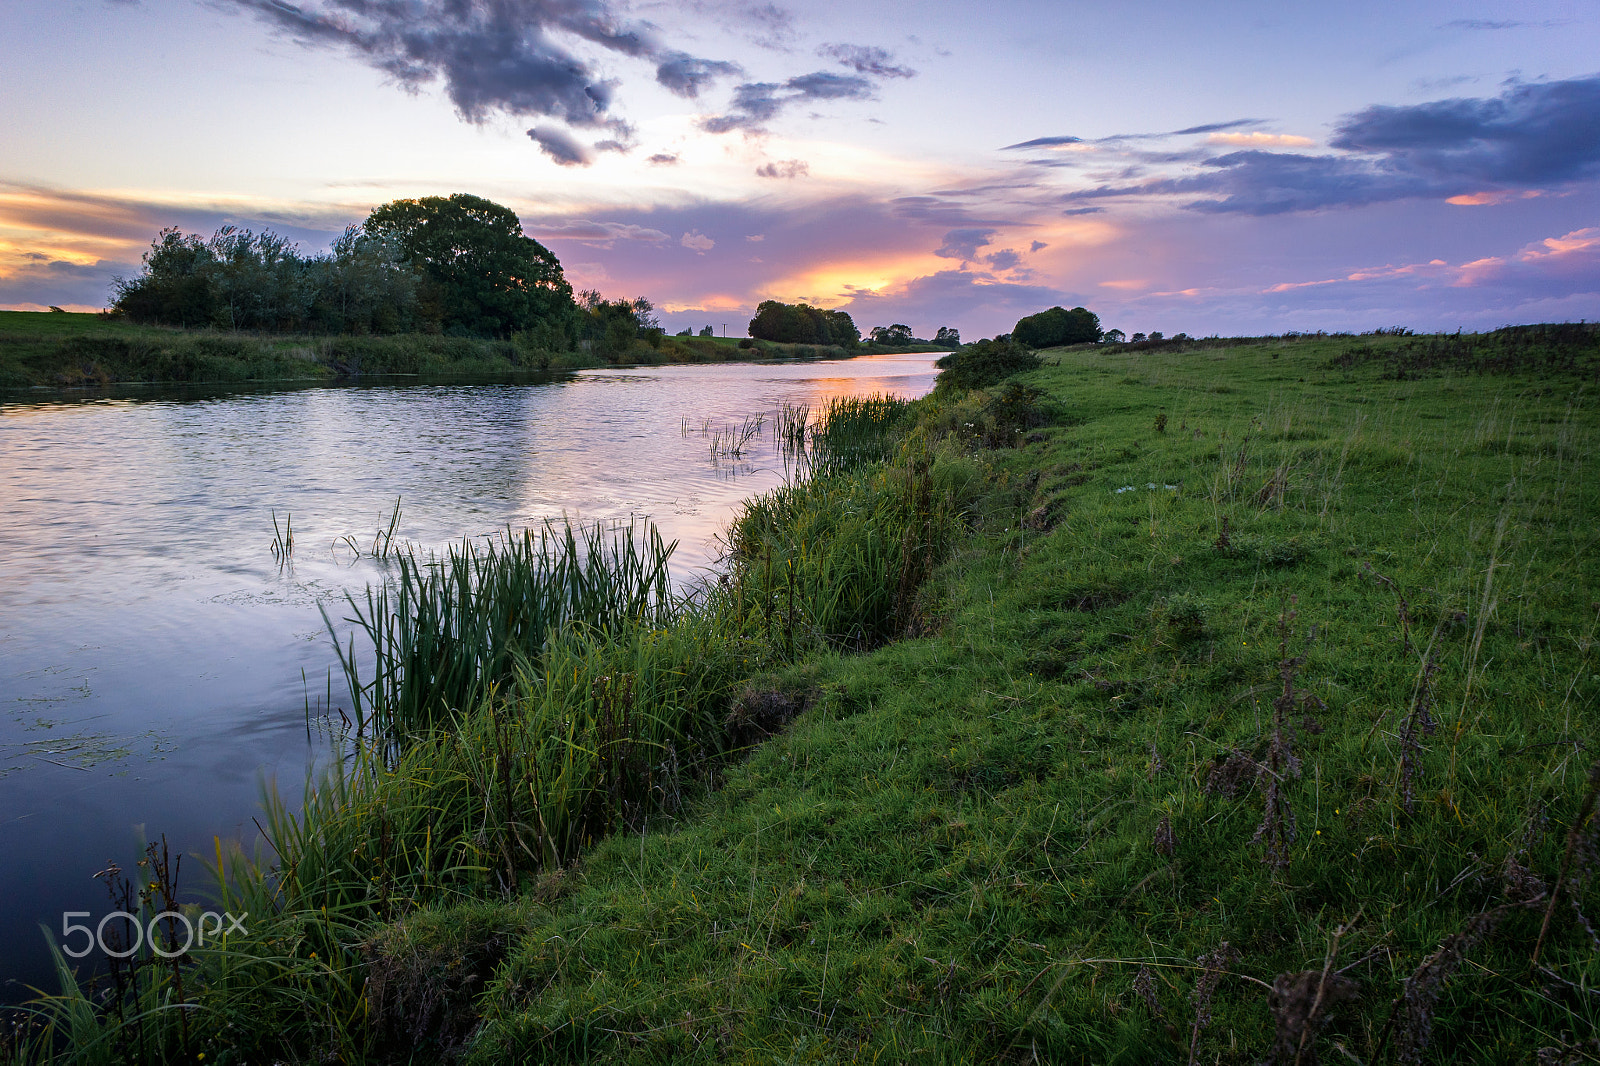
(663,159)
(1187,131)
(757,103)
(864,59)
(964,243)
(560,146)
(495,56)
(1083,211)
(1495,24)
(1044,142)
(45,281)
(936,211)
(788,168)
(1037,246)
(826,85)
(1211,127)
(1533,136)
(686,75)
(1005,259)
(773,25)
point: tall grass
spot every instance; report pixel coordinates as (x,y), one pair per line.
(448,631)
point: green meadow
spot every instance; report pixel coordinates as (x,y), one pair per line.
(1227,701)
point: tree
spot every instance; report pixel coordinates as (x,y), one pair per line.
(985,363)
(1057,326)
(1114,336)
(803,324)
(895,336)
(705,331)
(487,276)
(947,335)
(175,287)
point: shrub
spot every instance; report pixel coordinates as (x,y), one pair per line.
(985,363)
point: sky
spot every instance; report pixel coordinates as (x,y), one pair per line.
(1204,167)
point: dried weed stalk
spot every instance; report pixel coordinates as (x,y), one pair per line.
(1418,724)
(1278,823)
(1301,1004)
(1213,967)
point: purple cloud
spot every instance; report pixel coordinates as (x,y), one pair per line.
(964,243)
(863,59)
(1532,136)
(560,146)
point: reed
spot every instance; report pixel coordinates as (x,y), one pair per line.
(446,632)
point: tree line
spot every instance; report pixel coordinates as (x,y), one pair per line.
(458,265)
(461,265)
(800,323)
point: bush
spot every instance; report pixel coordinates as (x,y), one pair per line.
(985,363)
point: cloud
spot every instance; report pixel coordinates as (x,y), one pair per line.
(686,75)
(1044,142)
(755,237)
(1037,246)
(1538,135)
(1566,264)
(864,59)
(560,146)
(1494,24)
(1083,211)
(789,168)
(1187,131)
(697,241)
(1260,140)
(964,243)
(1005,259)
(496,56)
(774,25)
(583,229)
(757,103)
(973,302)
(663,159)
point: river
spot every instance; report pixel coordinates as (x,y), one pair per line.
(158,659)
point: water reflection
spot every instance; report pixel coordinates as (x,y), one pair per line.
(156,663)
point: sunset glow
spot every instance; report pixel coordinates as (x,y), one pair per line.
(955,171)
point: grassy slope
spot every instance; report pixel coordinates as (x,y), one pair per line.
(70,349)
(924,862)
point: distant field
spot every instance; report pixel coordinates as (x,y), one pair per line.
(64,349)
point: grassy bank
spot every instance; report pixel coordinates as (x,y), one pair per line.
(1240,706)
(63,349)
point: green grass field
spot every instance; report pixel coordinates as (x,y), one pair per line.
(1250,715)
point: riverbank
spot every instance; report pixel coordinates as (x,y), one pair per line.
(1242,707)
(66,350)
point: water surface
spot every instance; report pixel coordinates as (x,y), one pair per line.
(156,661)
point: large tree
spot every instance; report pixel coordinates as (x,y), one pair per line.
(1057,326)
(487,277)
